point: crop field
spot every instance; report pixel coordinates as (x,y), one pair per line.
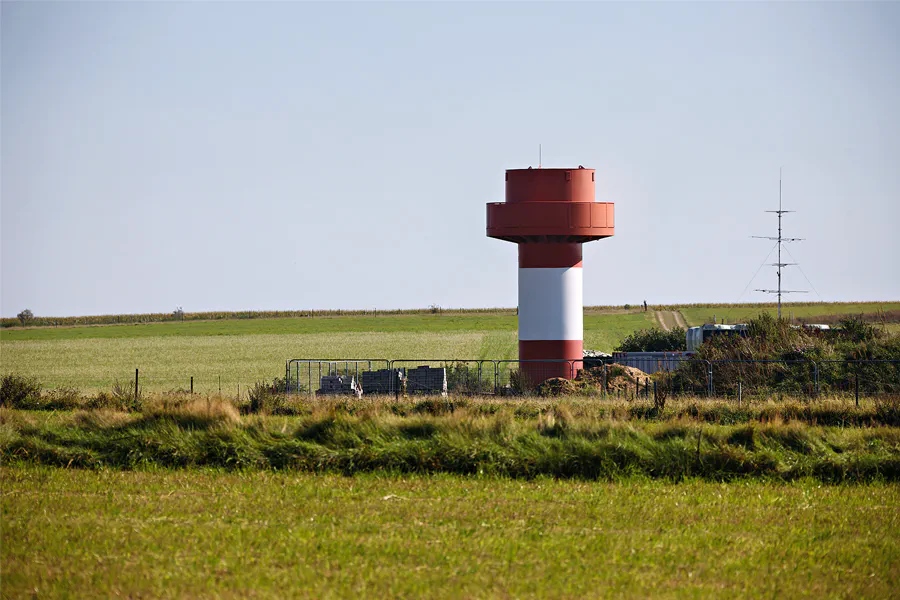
(241,352)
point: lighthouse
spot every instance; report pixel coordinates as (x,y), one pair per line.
(550,214)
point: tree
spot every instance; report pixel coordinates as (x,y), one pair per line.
(25,317)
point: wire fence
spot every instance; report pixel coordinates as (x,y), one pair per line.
(675,376)
(421,376)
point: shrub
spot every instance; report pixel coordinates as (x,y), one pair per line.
(519,383)
(855,329)
(17,391)
(654,340)
(661,384)
(267,399)
(463,379)
(62,399)
(125,397)
(887,410)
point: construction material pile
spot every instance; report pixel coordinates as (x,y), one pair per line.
(426,380)
(382,381)
(338,385)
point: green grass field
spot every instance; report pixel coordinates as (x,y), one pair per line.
(495,498)
(239,352)
(694,315)
(260,534)
(242,352)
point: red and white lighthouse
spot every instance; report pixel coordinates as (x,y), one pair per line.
(550,213)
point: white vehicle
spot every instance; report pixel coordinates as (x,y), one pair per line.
(697,335)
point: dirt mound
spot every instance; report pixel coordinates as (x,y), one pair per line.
(558,386)
(609,378)
(615,376)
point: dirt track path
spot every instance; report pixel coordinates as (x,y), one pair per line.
(660,318)
(669,319)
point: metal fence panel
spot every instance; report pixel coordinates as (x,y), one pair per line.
(444,376)
(678,375)
(859,377)
(305,376)
(522,377)
(650,362)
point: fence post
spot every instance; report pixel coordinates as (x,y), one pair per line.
(135,385)
(395,380)
(857,387)
(709,379)
(740,392)
(816,377)
(192,384)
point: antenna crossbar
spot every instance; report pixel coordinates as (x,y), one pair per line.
(780,240)
(777,239)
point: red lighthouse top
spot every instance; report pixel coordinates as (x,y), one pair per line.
(550,205)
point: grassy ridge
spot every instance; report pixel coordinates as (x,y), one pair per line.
(469,440)
(199,533)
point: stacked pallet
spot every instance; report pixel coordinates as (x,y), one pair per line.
(338,385)
(426,380)
(382,381)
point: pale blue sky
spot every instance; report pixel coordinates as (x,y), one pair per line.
(233,156)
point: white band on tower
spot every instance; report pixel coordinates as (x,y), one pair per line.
(550,304)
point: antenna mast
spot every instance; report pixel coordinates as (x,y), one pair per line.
(780,240)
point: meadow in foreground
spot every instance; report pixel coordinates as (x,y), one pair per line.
(267,534)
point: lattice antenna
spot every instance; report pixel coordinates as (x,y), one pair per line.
(780,240)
